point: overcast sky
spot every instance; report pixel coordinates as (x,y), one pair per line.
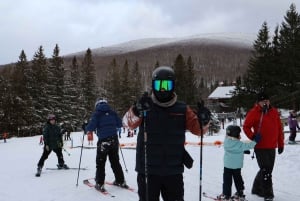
(76,25)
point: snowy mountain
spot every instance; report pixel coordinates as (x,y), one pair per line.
(232,39)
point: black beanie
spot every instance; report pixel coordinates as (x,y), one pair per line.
(233,131)
(262,96)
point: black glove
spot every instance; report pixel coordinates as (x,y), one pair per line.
(203,113)
(247,152)
(143,104)
(256,137)
(280,150)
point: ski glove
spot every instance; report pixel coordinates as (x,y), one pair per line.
(256,137)
(47,148)
(280,150)
(247,152)
(143,104)
(204,115)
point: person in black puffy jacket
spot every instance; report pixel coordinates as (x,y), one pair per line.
(52,142)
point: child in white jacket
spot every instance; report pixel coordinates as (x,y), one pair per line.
(234,150)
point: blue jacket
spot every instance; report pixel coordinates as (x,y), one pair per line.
(104,121)
(234,152)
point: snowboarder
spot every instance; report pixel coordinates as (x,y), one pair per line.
(105,122)
(53,141)
(234,151)
(162,122)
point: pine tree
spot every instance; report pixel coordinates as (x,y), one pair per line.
(5,104)
(289,47)
(112,85)
(258,77)
(55,85)
(180,69)
(88,82)
(73,95)
(21,102)
(191,91)
(125,87)
(37,84)
(136,83)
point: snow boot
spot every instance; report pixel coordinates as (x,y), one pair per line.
(39,171)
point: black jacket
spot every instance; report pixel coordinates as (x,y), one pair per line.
(165,128)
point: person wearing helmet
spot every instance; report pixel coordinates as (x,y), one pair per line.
(53,141)
(234,150)
(160,152)
(105,122)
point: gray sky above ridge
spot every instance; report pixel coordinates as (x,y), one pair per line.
(76,25)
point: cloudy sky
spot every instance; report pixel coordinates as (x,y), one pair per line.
(76,25)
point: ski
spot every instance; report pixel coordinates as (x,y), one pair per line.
(88,183)
(71,168)
(218,199)
(129,188)
(210,197)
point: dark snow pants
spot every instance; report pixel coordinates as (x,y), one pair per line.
(46,153)
(228,174)
(293,133)
(262,184)
(108,147)
(170,187)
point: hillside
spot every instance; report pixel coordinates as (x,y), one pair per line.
(216,56)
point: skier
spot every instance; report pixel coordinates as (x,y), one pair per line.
(293,125)
(265,120)
(52,142)
(5,136)
(162,122)
(105,122)
(90,137)
(234,151)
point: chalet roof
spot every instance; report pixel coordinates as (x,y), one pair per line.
(222,93)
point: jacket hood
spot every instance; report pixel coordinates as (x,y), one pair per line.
(103,107)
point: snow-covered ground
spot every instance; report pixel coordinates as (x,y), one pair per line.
(19,157)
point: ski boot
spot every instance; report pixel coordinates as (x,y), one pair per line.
(121,184)
(239,196)
(223,197)
(100,187)
(64,166)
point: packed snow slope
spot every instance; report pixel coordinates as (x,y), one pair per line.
(19,157)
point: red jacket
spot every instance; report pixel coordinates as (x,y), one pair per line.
(271,128)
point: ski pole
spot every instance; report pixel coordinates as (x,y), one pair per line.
(66,151)
(80,158)
(201,156)
(123,159)
(145,150)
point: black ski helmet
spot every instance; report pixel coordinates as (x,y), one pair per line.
(163,73)
(233,131)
